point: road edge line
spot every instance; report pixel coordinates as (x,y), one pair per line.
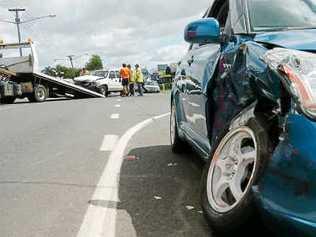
(94,224)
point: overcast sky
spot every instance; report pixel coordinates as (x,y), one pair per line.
(133,31)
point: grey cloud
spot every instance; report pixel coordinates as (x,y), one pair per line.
(128,29)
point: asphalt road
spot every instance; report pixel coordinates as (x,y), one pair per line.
(53,162)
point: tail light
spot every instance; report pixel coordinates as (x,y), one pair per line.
(299,70)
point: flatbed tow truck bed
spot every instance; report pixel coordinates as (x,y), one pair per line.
(20,78)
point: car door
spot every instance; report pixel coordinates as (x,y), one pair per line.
(202,66)
(112,85)
(181,84)
(118,81)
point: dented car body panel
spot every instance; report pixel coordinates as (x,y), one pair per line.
(300,40)
(287,189)
(219,85)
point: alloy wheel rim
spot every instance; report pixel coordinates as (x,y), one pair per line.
(40,93)
(232,170)
(103,91)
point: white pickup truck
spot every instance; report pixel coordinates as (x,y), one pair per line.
(101,81)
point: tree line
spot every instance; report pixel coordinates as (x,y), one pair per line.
(94,63)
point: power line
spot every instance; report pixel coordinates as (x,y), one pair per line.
(71,59)
(18,21)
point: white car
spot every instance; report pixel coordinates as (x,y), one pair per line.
(151,87)
(102,81)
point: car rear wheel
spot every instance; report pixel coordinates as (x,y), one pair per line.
(177,144)
(235,164)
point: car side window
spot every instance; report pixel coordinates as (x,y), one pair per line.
(220,12)
(112,75)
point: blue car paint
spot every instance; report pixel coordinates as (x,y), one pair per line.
(286,192)
(287,189)
(204,29)
(297,39)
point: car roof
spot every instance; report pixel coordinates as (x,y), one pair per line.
(106,70)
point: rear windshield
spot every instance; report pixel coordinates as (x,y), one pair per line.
(267,15)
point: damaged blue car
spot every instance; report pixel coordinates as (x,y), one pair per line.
(244,98)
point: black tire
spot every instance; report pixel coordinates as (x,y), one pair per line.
(177,144)
(235,220)
(39,95)
(31,98)
(7,100)
(103,90)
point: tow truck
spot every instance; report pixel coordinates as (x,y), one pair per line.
(20,77)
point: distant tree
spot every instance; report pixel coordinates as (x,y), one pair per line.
(95,63)
(50,71)
(67,72)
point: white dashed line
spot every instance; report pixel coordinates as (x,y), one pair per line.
(115,116)
(109,142)
(118,100)
(117,106)
(99,220)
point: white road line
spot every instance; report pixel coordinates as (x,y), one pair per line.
(117,106)
(101,221)
(115,116)
(118,100)
(109,142)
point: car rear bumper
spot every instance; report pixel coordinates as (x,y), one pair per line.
(287,189)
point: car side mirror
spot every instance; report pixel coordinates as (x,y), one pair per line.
(203,31)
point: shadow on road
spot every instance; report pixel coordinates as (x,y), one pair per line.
(160,192)
(159,189)
(48,100)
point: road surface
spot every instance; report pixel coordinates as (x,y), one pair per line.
(53,161)
(97,167)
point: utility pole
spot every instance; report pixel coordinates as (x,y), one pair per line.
(18,22)
(71,58)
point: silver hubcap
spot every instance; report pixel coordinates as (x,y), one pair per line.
(173,125)
(40,93)
(103,91)
(232,170)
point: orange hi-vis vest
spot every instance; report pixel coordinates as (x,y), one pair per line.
(124,73)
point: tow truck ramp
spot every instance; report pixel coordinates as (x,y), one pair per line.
(20,78)
(67,85)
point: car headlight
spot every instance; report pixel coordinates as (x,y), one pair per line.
(298,68)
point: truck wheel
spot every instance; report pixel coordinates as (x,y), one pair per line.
(40,93)
(7,100)
(104,91)
(235,166)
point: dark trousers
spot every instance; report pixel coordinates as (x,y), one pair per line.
(131,89)
(140,88)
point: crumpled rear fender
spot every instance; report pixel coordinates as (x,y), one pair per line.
(287,189)
(242,78)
